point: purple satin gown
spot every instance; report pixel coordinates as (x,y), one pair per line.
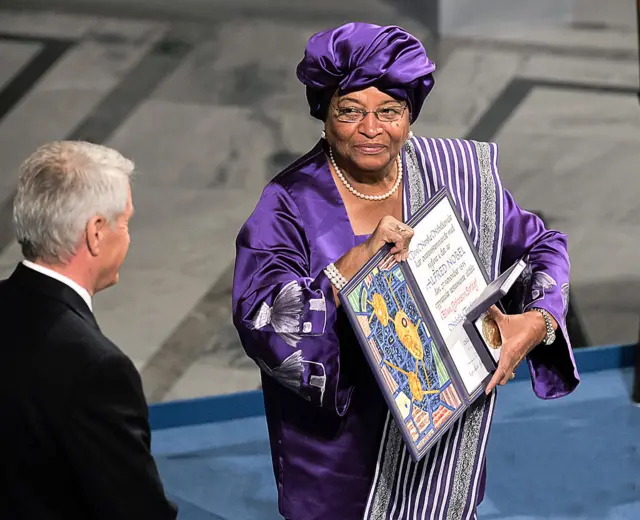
(336,451)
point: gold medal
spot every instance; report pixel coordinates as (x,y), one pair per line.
(491,332)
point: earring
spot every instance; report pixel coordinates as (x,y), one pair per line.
(410,134)
(323,135)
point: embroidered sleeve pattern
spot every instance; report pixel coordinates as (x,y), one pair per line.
(284,314)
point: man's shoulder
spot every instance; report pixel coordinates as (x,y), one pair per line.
(81,339)
(53,332)
(89,358)
(7,290)
(52,350)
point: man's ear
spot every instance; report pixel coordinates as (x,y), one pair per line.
(95,233)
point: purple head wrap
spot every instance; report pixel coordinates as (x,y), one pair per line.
(359,55)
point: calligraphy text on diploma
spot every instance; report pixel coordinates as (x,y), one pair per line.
(450,280)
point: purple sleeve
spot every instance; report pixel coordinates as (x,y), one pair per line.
(545,285)
(286,317)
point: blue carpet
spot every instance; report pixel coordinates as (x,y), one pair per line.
(576,458)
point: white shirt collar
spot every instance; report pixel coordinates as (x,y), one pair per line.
(61,278)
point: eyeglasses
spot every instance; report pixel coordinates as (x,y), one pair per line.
(355,115)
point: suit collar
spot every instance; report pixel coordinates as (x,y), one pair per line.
(61,278)
(45,285)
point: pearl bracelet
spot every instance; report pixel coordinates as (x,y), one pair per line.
(336,279)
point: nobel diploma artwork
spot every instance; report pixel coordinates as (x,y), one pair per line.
(423,327)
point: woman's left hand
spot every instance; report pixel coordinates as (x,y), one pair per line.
(520,334)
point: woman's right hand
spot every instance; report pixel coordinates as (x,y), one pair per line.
(390,231)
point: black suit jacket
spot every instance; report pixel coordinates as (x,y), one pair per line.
(74,430)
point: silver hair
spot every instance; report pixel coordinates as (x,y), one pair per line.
(61,186)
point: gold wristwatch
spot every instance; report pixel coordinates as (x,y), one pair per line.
(550,336)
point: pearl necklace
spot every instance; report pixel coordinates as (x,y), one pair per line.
(362,195)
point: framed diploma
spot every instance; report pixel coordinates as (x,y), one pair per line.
(423,325)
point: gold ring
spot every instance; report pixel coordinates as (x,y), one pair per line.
(513,375)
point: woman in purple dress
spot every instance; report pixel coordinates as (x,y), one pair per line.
(337,453)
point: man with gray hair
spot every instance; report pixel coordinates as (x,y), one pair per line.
(74,429)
